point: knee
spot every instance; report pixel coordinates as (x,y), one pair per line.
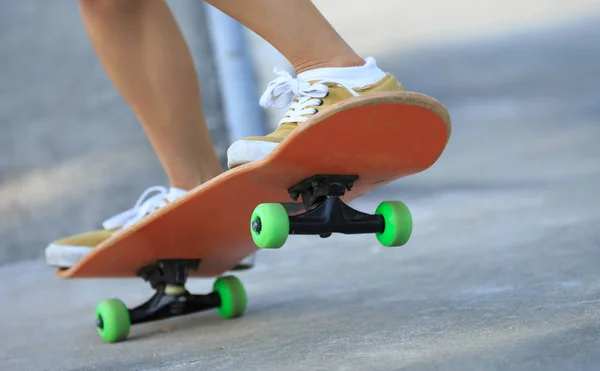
(102,8)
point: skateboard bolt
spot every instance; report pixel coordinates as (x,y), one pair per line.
(256,226)
(100,323)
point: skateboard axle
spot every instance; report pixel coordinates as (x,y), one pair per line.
(327,213)
(334,216)
(168,278)
(162,306)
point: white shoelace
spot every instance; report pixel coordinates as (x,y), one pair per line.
(282,91)
(141,208)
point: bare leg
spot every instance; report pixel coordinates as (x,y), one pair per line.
(294,27)
(328,69)
(146,57)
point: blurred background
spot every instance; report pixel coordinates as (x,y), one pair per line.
(515,196)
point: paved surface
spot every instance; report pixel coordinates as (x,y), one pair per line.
(501,274)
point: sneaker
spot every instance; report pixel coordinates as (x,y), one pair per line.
(305,95)
(66,252)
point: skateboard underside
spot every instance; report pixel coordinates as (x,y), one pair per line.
(302,187)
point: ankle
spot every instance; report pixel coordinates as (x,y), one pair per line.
(190,182)
(341,61)
(355,76)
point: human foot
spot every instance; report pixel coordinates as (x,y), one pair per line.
(305,95)
(67,251)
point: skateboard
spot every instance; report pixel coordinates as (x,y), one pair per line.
(302,187)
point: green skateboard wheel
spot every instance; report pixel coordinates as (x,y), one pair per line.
(233,296)
(270,226)
(112,320)
(398,223)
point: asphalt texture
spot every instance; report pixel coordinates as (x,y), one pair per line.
(502,272)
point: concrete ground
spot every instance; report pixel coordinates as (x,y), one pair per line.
(501,273)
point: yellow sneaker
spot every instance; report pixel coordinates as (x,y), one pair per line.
(68,251)
(305,95)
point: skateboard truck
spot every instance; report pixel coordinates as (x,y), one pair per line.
(168,277)
(326,213)
(171,299)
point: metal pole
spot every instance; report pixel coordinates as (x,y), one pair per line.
(243,115)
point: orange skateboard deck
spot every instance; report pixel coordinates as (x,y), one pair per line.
(378,138)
